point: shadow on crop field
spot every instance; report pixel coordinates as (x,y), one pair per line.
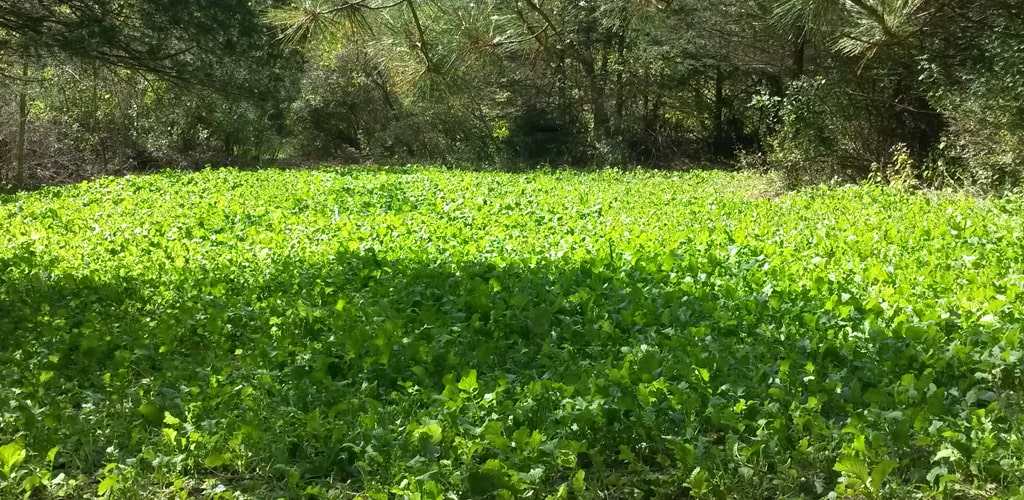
(335,373)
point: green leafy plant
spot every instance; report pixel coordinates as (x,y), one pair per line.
(427,333)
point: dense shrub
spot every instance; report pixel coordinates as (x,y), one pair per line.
(826,130)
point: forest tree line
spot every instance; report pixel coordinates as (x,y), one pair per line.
(922,91)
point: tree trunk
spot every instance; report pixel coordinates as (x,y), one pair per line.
(599,104)
(20,170)
(799,54)
(620,97)
(718,138)
(596,89)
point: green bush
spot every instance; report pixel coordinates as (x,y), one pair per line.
(843,128)
(984,145)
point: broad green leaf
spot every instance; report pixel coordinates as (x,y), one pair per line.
(216,460)
(152,412)
(704,374)
(578,483)
(468,382)
(52,455)
(854,467)
(880,473)
(106,485)
(432,432)
(11,456)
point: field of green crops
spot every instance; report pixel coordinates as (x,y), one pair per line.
(430,334)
